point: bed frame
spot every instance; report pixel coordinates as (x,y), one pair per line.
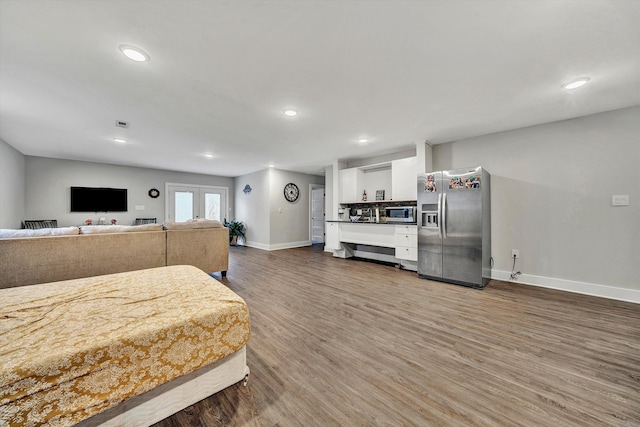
(167,399)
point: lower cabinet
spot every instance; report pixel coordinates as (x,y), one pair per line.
(403,238)
(406,242)
(332,236)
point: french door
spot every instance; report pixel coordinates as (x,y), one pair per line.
(196,201)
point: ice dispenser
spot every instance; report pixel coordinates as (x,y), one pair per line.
(430,216)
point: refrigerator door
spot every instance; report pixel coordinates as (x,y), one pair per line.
(429,220)
(462,216)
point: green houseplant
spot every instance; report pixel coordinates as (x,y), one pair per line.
(236,230)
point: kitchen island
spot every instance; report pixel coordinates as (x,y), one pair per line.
(394,243)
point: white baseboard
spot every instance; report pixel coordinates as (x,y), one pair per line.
(593,289)
(278,246)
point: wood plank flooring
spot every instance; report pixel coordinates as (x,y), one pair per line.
(351,343)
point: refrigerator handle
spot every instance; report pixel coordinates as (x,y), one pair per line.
(444,215)
(439,214)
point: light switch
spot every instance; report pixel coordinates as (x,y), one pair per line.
(620,200)
(139,207)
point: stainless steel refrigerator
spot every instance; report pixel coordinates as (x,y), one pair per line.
(454,226)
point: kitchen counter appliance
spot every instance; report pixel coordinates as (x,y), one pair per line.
(400,214)
(454,226)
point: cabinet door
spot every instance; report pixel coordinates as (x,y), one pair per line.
(332,240)
(410,254)
(404,175)
(351,181)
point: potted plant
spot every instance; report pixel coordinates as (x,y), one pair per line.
(236,230)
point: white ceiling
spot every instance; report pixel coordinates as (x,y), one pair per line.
(222,71)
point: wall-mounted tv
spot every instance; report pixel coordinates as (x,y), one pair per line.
(88,199)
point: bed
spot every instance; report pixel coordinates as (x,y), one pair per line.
(121,349)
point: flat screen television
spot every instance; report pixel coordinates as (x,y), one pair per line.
(88,199)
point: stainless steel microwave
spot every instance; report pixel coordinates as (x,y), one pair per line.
(401,214)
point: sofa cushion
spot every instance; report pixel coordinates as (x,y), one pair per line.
(100,229)
(191,224)
(40,232)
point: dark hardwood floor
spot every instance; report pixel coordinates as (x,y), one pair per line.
(351,343)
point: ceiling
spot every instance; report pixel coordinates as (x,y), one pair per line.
(221,72)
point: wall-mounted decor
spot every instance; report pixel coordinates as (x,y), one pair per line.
(154,193)
(291,192)
(247,189)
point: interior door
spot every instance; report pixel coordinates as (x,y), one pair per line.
(192,202)
(317,215)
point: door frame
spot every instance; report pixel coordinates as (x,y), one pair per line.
(324,196)
(167,199)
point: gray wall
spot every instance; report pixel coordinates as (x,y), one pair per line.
(48,182)
(290,221)
(551,191)
(272,222)
(12,185)
(253,208)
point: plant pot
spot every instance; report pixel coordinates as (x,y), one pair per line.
(234,241)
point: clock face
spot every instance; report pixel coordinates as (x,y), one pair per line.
(291,192)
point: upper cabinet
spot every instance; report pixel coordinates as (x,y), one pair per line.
(404,178)
(397,179)
(351,185)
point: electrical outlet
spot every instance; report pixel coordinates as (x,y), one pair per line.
(515,253)
(620,200)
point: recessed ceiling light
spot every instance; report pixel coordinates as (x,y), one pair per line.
(134,53)
(120,140)
(271,165)
(290,112)
(209,156)
(363,140)
(576,83)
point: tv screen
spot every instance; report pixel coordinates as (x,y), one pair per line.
(87,199)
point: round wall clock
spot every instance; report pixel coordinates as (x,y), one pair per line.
(153,193)
(291,192)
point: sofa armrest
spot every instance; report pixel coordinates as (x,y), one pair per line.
(205,248)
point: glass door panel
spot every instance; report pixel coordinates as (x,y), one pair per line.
(183,201)
(187,202)
(212,206)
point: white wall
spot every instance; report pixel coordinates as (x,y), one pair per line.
(273,222)
(48,181)
(329,201)
(551,191)
(12,184)
(253,208)
(381,159)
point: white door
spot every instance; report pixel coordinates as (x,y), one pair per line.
(317,215)
(192,202)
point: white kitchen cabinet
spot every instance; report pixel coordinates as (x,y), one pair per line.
(406,242)
(404,179)
(332,236)
(351,185)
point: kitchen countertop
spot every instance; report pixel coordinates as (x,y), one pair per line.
(373,223)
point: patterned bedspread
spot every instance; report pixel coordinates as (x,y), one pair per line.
(72,349)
